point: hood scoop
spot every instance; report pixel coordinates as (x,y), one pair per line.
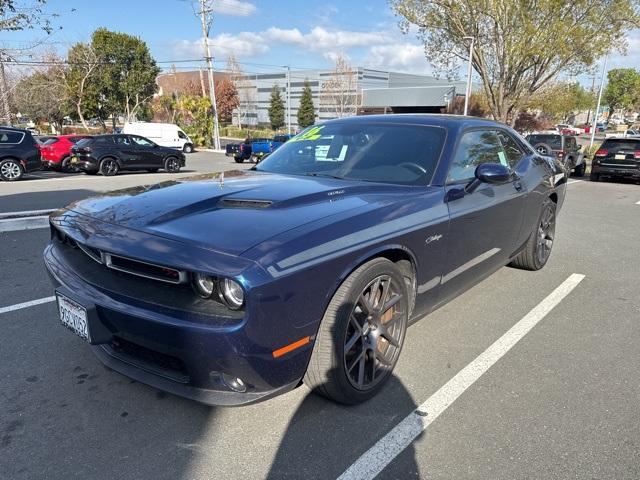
(246,204)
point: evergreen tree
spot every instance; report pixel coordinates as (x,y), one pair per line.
(276,108)
(306,111)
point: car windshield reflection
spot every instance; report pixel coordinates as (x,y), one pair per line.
(364,152)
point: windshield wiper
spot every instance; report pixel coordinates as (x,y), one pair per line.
(324,175)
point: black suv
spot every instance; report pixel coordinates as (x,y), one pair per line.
(19,153)
(563,147)
(616,157)
(109,154)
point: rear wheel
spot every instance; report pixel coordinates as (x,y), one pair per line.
(172,165)
(239,159)
(361,334)
(540,242)
(109,167)
(66,165)
(10,170)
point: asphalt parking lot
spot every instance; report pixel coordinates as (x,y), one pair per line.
(527,375)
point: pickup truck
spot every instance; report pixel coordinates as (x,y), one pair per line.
(242,151)
(626,134)
(259,149)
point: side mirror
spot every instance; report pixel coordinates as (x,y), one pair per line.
(491,173)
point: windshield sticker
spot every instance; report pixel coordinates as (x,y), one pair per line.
(312,134)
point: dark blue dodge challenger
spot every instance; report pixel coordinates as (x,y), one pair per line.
(232,288)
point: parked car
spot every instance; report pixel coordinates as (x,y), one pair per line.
(110,153)
(563,147)
(56,152)
(19,154)
(600,127)
(264,147)
(164,134)
(565,129)
(616,157)
(624,134)
(242,151)
(308,267)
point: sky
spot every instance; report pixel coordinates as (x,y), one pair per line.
(263,36)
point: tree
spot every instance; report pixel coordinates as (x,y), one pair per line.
(623,89)
(80,81)
(519,45)
(561,100)
(339,94)
(247,92)
(127,73)
(42,98)
(306,111)
(226,98)
(16,15)
(276,108)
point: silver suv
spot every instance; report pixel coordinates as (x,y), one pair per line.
(563,147)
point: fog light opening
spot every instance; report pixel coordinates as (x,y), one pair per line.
(234,383)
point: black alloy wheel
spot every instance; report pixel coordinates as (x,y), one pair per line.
(538,247)
(172,165)
(109,167)
(361,334)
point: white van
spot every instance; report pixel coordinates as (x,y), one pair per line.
(165,134)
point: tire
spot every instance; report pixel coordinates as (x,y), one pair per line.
(152,170)
(580,169)
(239,159)
(172,165)
(542,148)
(360,339)
(66,166)
(594,177)
(187,148)
(109,167)
(538,247)
(90,172)
(10,170)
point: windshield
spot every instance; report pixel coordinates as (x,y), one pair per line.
(373,152)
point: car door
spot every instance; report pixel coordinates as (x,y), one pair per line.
(127,151)
(484,225)
(148,152)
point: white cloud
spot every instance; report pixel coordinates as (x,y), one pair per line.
(398,57)
(320,39)
(233,7)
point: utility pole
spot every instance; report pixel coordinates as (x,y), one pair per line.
(207,19)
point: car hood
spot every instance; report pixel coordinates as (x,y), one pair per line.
(231,212)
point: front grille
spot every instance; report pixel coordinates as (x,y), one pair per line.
(151,360)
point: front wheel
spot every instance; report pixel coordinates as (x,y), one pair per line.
(172,165)
(239,159)
(538,248)
(580,169)
(361,334)
(10,170)
(187,148)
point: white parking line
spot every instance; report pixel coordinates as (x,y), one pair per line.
(19,306)
(382,453)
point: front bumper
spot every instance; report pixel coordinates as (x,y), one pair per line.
(175,346)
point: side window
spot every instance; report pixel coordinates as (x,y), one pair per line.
(141,142)
(474,148)
(513,152)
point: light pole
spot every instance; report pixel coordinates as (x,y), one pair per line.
(288,67)
(595,123)
(468,92)
(207,19)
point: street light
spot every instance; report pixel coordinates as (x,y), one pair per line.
(595,123)
(468,92)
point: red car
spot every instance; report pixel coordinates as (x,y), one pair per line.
(56,152)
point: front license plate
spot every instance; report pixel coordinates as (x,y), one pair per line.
(620,157)
(73,316)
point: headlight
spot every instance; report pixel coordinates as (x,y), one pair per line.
(231,293)
(202,284)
